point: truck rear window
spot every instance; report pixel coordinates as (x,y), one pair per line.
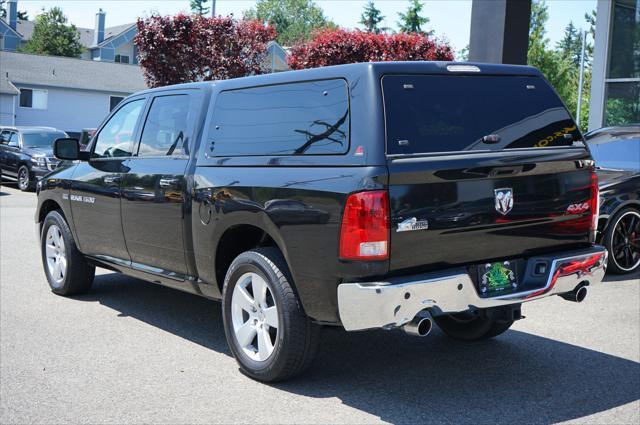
(442,113)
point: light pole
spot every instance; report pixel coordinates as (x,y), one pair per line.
(213,8)
(581,79)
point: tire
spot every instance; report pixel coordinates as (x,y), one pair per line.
(24,179)
(622,240)
(74,275)
(471,326)
(263,352)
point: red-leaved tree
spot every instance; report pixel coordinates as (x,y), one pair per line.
(186,48)
(338,46)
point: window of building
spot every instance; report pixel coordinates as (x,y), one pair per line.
(288,119)
(122,58)
(114,101)
(165,130)
(32,98)
(116,137)
(622,85)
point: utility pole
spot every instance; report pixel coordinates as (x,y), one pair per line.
(581,80)
(213,8)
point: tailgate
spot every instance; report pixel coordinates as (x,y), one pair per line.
(447,211)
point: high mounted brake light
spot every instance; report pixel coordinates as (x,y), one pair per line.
(364,234)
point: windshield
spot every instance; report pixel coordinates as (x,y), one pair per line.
(447,113)
(619,154)
(41,139)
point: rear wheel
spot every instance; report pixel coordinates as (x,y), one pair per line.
(66,268)
(472,326)
(622,239)
(24,182)
(268,333)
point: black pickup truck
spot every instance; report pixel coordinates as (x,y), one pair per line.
(379,195)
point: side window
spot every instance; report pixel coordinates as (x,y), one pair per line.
(13,139)
(116,137)
(289,119)
(165,130)
(4,137)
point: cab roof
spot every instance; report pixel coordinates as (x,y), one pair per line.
(356,70)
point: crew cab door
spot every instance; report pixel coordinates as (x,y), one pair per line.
(154,188)
(95,187)
(10,147)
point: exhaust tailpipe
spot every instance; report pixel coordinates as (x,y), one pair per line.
(577,295)
(421,325)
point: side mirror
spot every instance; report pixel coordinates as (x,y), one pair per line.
(68,149)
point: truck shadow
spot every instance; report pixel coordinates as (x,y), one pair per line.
(518,377)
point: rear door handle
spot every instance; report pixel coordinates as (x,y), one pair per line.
(169,182)
(111,179)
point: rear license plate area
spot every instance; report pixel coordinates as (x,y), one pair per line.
(497,278)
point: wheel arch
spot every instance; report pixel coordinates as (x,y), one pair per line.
(605,220)
(238,237)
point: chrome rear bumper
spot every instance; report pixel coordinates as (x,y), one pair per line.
(366,305)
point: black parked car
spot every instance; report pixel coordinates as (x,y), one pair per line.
(616,151)
(365,196)
(26,154)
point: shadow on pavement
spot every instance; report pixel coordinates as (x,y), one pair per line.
(610,277)
(518,377)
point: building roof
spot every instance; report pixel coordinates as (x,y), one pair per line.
(56,71)
(25,28)
(7,87)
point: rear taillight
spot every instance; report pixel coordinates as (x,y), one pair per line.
(364,234)
(594,202)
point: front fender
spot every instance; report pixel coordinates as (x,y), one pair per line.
(52,191)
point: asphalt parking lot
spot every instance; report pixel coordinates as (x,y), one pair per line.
(134,352)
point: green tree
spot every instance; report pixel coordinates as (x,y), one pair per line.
(199,7)
(52,35)
(294,20)
(558,65)
(411,20)
(371,17)
(571,44)
(22,15)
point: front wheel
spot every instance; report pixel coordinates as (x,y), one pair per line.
(24,181)
(472,326)
(269,335)
(66,268)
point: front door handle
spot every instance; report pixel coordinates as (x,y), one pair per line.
(169,182)
(111,179)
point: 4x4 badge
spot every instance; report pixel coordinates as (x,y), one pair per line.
(411,224)
(504,200)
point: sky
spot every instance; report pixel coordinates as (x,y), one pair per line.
(450,19)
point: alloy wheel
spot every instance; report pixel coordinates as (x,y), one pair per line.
(23,179)
(56,254)
(254,316)
(625,241)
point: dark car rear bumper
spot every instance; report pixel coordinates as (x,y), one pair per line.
(396,302)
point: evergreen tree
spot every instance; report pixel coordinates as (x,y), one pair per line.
(571,44)
(558,67)
(198,7)
(52,35)
(411,21)
(371,17)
